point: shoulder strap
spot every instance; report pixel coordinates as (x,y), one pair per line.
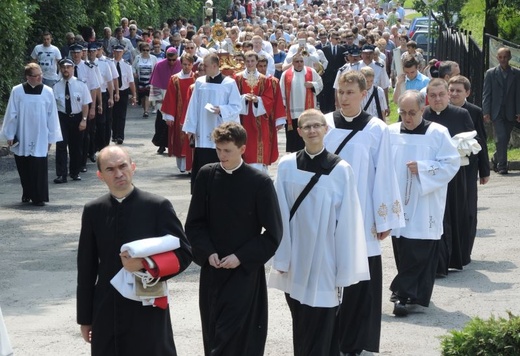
(378,104)
(344,142)
(370,99)
(315,178)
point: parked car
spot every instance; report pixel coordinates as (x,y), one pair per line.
(421,37)
(416,22)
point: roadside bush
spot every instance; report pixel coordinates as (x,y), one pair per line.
(15,20)
(491,337)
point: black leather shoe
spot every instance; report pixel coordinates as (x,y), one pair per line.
(502,171)
(400,309)
(83,169)
(161,150)
(92,158)
(38,203)
(75,177)
(25,199)
(60,179)
(119,141)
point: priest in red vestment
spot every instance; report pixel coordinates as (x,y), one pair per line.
(174,113)
(257,103)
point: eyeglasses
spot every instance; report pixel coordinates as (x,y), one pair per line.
(410,113)
(307,128)
(146,50)
(35,75)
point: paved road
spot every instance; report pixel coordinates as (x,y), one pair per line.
(38,267)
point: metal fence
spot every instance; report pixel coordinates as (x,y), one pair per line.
(458,45)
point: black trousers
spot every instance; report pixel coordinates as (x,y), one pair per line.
(73,140)
(416,268)
(202,156)
(313,328)
(327,98)
(294,141)
(108,125)
(101,141)
(119,115)
(34,177)
(160,138)
(359,319)
(89,139)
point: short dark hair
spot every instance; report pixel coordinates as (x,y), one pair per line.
(410,61)
(230,132)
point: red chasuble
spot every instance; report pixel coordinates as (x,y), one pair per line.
(309,95)
(175,104)
(260,147)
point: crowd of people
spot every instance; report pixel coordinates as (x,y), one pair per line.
(323,72)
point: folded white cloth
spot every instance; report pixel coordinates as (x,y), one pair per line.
(466,145)
(5,344)
(151,246)
(124,281)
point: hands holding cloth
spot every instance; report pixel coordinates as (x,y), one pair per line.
(159,261)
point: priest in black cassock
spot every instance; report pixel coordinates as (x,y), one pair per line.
(113,324)
(234,226)
(425,160)
(456,219)
(478,168)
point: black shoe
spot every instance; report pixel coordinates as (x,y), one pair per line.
(494,164)
(114,140)
(502,171)
(83,169)
(60,179)
(161,150)
(400,309)
(38,203)
(394,298)
(119,141)
(25,199)
(92,158)
(75,177)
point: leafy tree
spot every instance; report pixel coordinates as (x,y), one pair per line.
(15,16)
(445,12)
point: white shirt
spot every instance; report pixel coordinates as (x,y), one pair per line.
(48,58)
(79,95)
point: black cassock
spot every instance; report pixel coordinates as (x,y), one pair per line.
(122,326)
(456,217)
(226,216)
(478,167)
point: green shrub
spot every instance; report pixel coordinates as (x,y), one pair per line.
(15,20)
(491,337)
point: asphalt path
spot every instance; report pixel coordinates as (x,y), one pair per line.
(38,264)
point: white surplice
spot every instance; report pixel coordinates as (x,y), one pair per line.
(322,247)
(200,121)
(424,195)
(34,121)
(368,152)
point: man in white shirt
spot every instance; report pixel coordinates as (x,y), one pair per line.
(47,56)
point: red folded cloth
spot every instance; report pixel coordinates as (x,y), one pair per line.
(165,264)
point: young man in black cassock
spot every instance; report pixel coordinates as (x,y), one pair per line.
(478,169)
(113,324)
(232,203)
(456,219)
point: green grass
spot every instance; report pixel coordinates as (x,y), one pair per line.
(408,4)
(473,15)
